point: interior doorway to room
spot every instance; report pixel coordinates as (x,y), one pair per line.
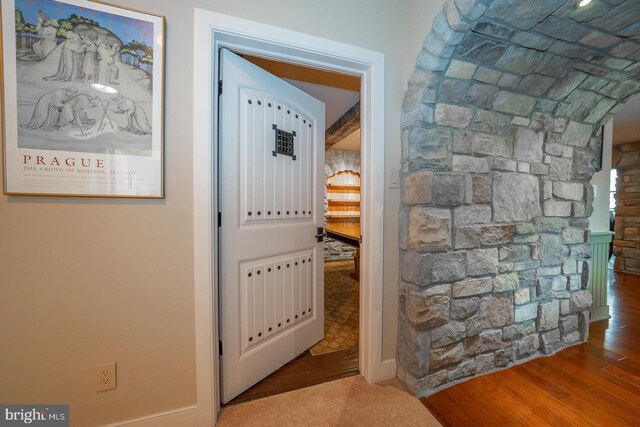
(336,355)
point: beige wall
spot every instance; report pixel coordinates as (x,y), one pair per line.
(89,281)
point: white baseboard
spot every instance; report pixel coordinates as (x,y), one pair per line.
(183,417)
(388,369)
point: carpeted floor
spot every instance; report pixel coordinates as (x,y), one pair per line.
(346,402)
(341,308)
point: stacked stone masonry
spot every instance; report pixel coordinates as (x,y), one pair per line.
(336,161)
(501,130)
(626,243)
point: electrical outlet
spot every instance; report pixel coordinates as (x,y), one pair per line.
(106,376)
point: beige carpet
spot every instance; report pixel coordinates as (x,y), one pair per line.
(341,308)
(346,402)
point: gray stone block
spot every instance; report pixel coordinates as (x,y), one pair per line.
(466,237)
(447,334)
(448,267)
(550,225)
(552,250)
(514,103)
(548,315)
(430,148)
(485,363)
(480,49)
(441,28)
(470,164)
(560,169)
(577,134)
(527,346)
(503,357)
(503,164)
(474,326)
(464,308)
(554,66)
(568,324)
(555,208)
(481,189)
(429,229)
(574,235)
(430,307)
(471,215)
(448,190)
(453,115)
(566,85)
(472,287)
(482,261)
(506,282)
(447,355)
(491,145)
(528,147)
(563,29)
(550,342)
(461,69)
(428,61)
(496,311)
(571,338)
(465,369)
(518,331)
(522,14)
(519,60)
(522,296)
(535,84)
(482,96)
(483,343)
(549,123)
(453,91)
(471,9)
(526,312)
(416,268)
(413,350)
(581,301)
(533,40)
(493,29)
(516,197)
(496,234)
(509,81)
(416,188)
(514,253)
(487,75)
(583,325)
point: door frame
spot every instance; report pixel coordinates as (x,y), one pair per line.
(213,31)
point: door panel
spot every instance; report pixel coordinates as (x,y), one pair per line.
(272,200)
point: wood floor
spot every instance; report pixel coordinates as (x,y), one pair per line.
(304,371)
(594,384)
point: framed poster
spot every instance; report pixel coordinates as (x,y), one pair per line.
(82,99)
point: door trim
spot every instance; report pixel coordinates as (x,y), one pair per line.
(213,31)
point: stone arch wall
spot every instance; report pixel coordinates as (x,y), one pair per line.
(501,127)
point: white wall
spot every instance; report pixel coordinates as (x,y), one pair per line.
(89,281)
(599,220)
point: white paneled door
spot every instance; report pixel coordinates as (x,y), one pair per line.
(272,204)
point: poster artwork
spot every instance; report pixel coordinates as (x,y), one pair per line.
(86,94)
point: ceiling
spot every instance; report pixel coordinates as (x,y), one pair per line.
(626,123)
(349,143)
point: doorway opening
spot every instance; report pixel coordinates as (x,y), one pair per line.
(336,355)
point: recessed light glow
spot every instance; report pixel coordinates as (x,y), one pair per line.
(104,88)
(583,3)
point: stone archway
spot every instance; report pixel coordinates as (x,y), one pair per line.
(501,129)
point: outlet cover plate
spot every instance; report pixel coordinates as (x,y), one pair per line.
(106,376)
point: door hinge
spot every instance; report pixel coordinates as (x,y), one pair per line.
(220,347)
(219,87)
(219,219)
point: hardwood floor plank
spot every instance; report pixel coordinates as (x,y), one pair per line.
(596,383)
